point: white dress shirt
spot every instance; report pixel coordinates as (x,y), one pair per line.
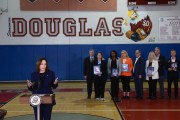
(135,62)
(173,59)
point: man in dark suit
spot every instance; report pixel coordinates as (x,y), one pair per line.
(173,67)
(138,71)
(162,63)
(88,71)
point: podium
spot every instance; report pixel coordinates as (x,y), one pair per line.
(36,100)
(45,98)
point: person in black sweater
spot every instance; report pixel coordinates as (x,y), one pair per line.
(88,71)
(162,63)
(114,70)
(100,76)
(173,66)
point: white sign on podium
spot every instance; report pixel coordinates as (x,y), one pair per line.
(35,100)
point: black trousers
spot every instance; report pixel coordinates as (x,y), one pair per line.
(175,81)
(126,83)
(90,81)
(45,112)
(114,87)
(152,87)
(99,83)
(138,86)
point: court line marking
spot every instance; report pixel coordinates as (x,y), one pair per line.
(160,110)
(11,104)
(69,110)
(119,110)
(108,102)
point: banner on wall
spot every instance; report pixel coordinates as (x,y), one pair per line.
(169,28)
(152,2)
(69,5)
(137,29)
(52,22)
(140,26)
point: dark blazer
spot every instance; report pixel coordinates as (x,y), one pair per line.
(162,64)
(88,66)
(47,83)
(103,68)
(173,74)
(139,67)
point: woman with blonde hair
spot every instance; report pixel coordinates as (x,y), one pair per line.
(152,74)
(126,73)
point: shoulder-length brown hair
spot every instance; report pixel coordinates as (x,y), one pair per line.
(38,63)
(101,54)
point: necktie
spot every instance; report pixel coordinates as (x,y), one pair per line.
(91,59)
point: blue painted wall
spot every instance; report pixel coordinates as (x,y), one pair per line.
(18,61)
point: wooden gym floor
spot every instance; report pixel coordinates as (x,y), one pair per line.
(71,98)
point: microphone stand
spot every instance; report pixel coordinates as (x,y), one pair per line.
(38,106)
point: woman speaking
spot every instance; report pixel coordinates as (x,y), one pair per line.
(42,82)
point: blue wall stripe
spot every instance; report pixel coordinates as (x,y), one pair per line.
(4,63)
(18,61)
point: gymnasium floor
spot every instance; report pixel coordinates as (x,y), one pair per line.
(70,98)
(72,104)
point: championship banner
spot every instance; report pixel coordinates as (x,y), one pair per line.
(68,5)
(152,2)
(72,22)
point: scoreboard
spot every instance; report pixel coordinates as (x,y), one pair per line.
(152,2)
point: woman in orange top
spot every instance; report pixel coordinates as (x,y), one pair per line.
(127,66)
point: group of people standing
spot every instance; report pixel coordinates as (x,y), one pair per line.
(96,70)
(99,80)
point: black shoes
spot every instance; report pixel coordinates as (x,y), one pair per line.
(126,97)
(152,97)
(89,97)
(139,98)
(116,99)
(176,97)
(162,97)
(123,97)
